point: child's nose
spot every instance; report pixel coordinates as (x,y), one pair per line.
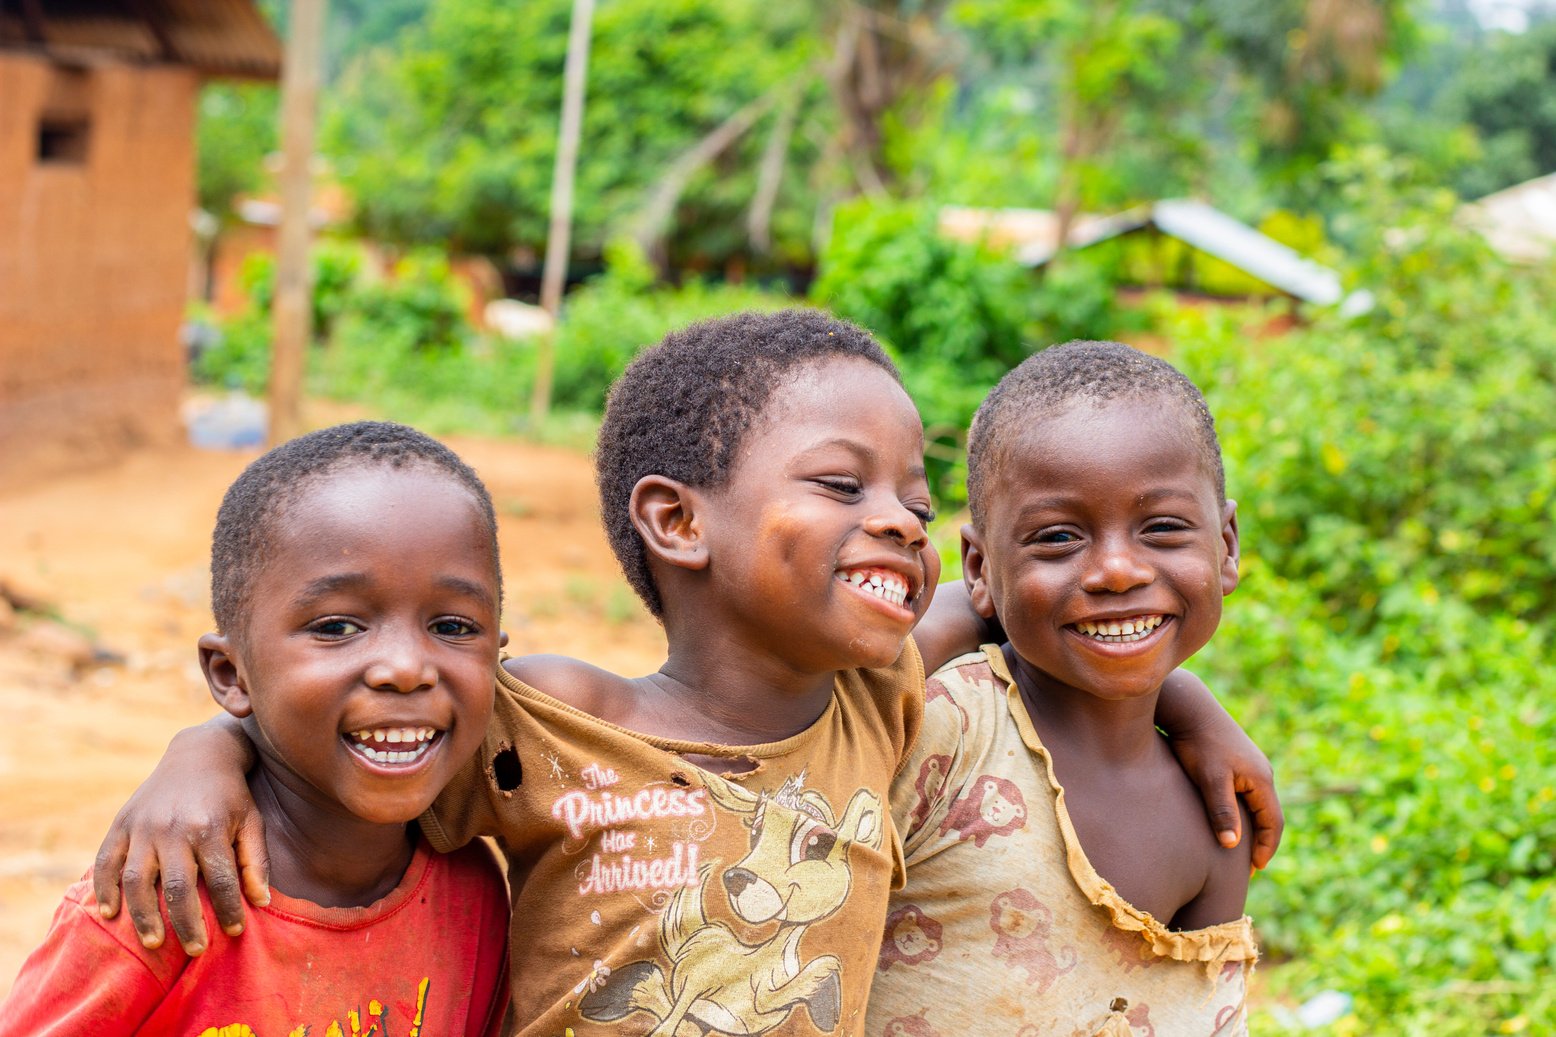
(893,521)
(1116,568)
(401,667)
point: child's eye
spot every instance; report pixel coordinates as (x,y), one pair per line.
(336,628)
(925,515)
(1055,536)
(840,486)
(451,627)
(1165,526)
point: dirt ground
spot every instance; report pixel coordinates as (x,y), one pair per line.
(119,558)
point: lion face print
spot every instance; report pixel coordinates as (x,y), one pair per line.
(912,938)
(992,806)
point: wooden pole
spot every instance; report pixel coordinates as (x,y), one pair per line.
(293,307)
(559,238)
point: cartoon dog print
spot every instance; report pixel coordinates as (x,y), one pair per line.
(796,874)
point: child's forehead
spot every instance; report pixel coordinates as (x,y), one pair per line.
(833,388)
(1086,440)
(382,501)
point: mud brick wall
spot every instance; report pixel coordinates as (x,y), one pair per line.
(96,185)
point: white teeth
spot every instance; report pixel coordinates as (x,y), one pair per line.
(885,586)
(396,735)
(392,756)
(1121,631)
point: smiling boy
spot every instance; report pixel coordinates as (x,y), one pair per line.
(1065,880)
(355,583)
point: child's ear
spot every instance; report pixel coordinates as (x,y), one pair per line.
(220,666)
(975,572)
(1229,541)
(664,512)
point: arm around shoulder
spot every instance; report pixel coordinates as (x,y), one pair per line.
(192,817)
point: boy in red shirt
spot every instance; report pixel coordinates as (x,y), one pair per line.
(355,583)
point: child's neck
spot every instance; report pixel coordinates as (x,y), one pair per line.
(323,855)
(714,689)
(1081,724)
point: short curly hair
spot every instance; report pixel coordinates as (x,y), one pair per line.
(258,498)
(1049,381)
(683,408)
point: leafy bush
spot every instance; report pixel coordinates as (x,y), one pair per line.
(240,358)
(606,322)
(1390,645)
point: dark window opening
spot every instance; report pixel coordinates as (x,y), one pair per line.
(63,142)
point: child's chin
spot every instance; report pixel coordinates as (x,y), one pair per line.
(878,654)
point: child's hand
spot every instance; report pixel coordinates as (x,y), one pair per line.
(180,824)
(1224,762)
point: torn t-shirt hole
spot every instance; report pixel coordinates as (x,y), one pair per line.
(506,770)
(733,766)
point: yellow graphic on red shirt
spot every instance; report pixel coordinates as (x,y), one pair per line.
(377,1025)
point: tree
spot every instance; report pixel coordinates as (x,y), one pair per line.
(450,134)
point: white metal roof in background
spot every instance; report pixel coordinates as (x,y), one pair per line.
(1205,228)
(1217,234)
(1520,221)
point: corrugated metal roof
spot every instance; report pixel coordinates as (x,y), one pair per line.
(1217,234)
(1519,222)
(217,37)
(1031,233)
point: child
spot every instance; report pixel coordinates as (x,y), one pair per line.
(1064,879)
(355,583)
(703,847)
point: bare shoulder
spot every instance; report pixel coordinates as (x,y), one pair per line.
(573,681)
(1225,893)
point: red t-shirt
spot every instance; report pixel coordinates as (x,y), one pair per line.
(429,958)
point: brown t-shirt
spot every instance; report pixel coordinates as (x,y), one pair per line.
(649,893)
(1004,926)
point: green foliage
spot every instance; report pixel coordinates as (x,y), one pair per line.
(606,322)
(1508,94)
(1391,641)
(450,134)
(237,129)
(419,308)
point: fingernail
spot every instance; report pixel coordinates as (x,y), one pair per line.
(105,910)
(194,949)
(1228,838)
(264,899)
(151,943)
(235,929)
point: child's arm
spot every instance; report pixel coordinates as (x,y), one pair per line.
(180,824)
(1223,762)
(952,627)
(1220,758)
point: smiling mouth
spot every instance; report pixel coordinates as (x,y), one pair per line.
(882,583)
(392,745)
(1121,631)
